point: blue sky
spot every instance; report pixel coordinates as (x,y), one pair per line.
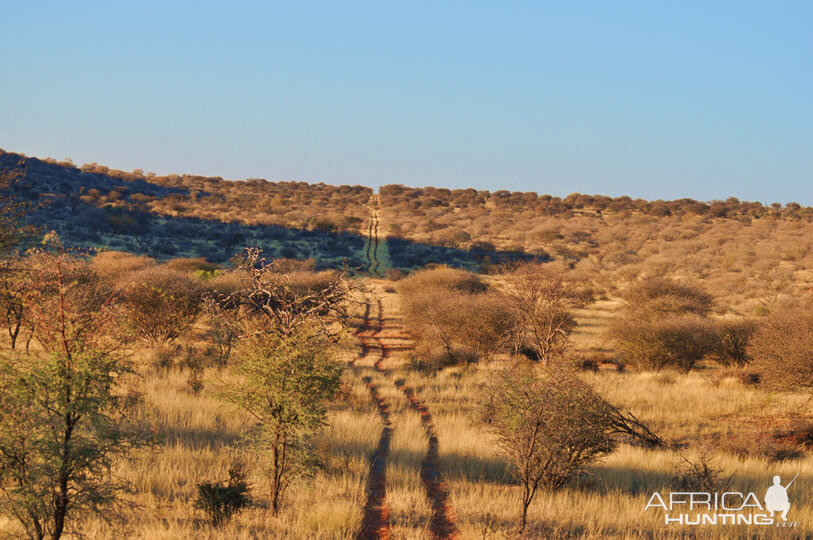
(649,99)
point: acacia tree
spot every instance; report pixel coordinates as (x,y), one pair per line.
(549,425)
(462,325)
(59,424)
(285,361)
(15,286)
(13,282)
(542,297)
(733,338)
(285,382)
(664,323)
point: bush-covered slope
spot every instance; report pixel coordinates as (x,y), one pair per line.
(95,207)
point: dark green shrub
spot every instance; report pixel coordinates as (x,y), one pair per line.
(220,501)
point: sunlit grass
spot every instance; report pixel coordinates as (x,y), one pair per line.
(197,437)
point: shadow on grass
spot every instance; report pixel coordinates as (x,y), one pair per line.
(197,438)
(455,468)
(603,479)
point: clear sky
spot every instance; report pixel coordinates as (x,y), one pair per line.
(652,99)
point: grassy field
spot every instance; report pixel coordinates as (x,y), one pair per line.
(197,436)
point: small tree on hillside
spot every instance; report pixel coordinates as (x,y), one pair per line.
(636,339)
(285,361)
(13,281)
(454,317)
(59,424)
(549,424)
(686,340)
(462,325)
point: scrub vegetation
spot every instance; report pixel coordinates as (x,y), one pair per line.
(421,363)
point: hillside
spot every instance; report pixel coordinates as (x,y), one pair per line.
(172,216)
(746,251)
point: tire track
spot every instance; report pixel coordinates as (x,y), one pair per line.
(375,524)
(442,522)
(384,351)
(375,245)
(365,326)
(371,251)
(373,240)
(369,243)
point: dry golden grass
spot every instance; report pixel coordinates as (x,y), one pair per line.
(198,436)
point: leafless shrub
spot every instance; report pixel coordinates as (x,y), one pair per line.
(288,300)
(700,475)
(629,426)
(731,347)
(665,296)
(449,313)
(664,324)
(541,297)
(782,348)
